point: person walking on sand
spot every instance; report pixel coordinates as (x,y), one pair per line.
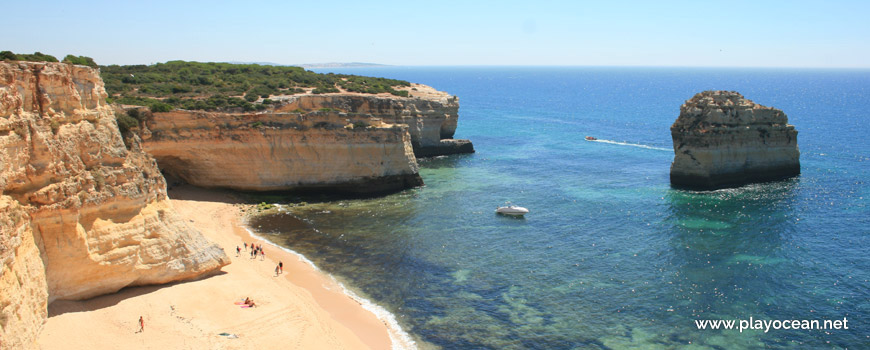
(141,324)
(281,266)
(246,246)
(238,251)
(276,270)
(262,254)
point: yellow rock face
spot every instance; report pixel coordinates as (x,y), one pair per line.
(722,140)
(324,150)
(81,214)
(431,115)
(23,291)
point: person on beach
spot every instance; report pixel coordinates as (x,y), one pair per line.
(141,324)
(281,266)
(276,270)
(262,254)
(246,246)
(238,251)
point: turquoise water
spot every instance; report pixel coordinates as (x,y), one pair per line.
(610,257)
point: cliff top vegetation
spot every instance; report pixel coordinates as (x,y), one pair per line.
(215,86)
(41,57)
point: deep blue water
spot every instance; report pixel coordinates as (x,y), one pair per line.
(611,257)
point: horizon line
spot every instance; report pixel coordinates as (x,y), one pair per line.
(385,65)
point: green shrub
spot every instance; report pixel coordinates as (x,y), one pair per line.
(8,56)
(160,107)
(80,60)
(134,113)
(35,57)
(191,85)
(126,122)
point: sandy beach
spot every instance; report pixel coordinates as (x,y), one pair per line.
(299,309)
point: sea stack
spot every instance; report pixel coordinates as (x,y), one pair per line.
(724,140)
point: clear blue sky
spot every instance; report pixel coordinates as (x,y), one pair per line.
(616,33)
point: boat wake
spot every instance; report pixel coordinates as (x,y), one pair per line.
(632,145)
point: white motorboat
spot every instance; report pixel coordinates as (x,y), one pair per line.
(510,209)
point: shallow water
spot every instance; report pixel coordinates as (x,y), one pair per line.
(610,256)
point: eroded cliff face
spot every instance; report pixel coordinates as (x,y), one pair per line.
(81,214)
(431,115)
(339,142)
(269,151)
(723,140)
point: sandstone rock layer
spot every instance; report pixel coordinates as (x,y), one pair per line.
(81,214)
(431,115)
(724,140)
(324,151)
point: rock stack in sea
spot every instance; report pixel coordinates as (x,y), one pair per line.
(82,215)
(724,140)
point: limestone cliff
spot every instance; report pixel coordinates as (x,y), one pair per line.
(269,151)
(722,140)
(431,115)
(81,214)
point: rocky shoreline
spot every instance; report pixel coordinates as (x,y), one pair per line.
(88,206)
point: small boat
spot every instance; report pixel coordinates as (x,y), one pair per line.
(513,210)
(590,138)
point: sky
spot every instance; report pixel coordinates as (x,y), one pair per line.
(734,33)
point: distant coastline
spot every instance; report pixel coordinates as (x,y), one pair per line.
(341,65)
(320,65)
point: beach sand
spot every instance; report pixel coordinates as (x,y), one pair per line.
(301,309)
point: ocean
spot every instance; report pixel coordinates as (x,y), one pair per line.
(610,257)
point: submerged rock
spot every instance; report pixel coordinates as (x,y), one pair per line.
(724,140)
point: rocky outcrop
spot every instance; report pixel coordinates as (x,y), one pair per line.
(323,150)
(723,140)
(344,142)
(431,115)
(445,147)
(341,142)
(81,214)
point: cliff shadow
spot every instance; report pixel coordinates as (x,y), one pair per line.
(184,191)
(60,307)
